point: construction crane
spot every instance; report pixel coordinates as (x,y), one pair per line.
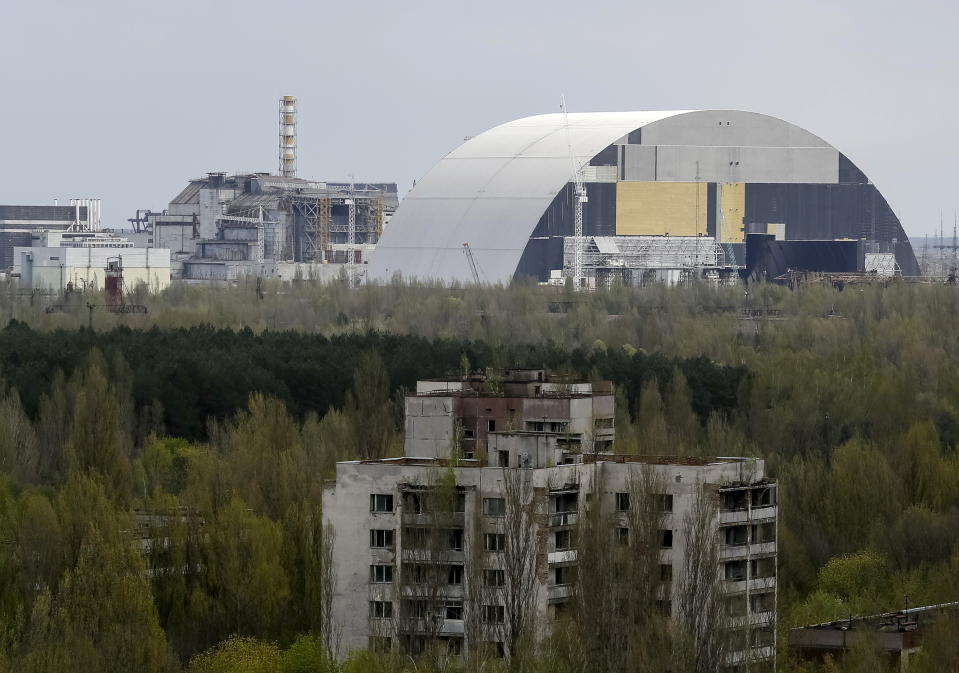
(579,198)
(472,263)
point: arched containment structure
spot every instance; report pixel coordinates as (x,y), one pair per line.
(699,178)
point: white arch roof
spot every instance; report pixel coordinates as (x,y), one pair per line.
(492,190)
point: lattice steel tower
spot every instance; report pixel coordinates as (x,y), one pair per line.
(288,137)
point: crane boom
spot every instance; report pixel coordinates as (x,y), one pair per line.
(472,262)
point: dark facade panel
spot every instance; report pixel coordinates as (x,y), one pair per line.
(830,211)
(558,218)
(65,213)
(767,258)
(711,198)
(599,212)
(8,241)
(608,157)
(539,256)
(849,173)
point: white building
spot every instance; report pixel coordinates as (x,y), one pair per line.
(377,511)
(59,259)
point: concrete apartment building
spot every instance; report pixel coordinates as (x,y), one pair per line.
(396,589)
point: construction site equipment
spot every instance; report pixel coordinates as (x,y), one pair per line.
(579,198)
(314,209)
(625,256)
(472,262)
(113,286)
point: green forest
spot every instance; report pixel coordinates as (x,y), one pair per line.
(211,423)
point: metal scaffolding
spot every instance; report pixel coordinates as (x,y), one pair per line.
(632,259)
(364,208)
(646,252)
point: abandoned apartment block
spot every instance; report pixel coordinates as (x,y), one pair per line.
(410,574)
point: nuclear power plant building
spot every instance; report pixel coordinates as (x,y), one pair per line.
(661,196)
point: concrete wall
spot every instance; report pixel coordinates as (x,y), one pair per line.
(176,236)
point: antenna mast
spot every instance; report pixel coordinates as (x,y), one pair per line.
(579,198)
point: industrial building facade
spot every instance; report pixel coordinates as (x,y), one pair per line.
(221,227)
(402,587)
(661,192)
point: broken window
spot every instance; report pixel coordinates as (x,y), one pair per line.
(565,502)
(455,574)
(493,577)
(415,609)
(666,537)
(762,567)
(622,502)
(415,503)
(764,496)
(665,502)
(381,502)
(735,536)
(454,609)
(564,575)
(381,574)
(491,425)
(456,539)
(665,572)
(563,539)
(417,573)
(764,532)
(495,542)
(735,605)
(622,535)
(762,637)
(764,602)
(381,538)
(735,571)
(380,644)
(733,501)
(381,609)
(494,506)
(494,614)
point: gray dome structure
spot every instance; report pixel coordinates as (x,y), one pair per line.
(697,175)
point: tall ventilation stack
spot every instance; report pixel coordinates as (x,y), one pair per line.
(288,136)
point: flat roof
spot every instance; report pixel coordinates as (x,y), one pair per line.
(881,621)
(689,461)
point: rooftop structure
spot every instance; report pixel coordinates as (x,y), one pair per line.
(713,175)
(20,225)
(899,633)
(400,587)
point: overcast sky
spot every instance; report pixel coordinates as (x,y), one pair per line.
(125,100)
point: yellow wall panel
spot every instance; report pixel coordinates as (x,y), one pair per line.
(733,210)
(657,208)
